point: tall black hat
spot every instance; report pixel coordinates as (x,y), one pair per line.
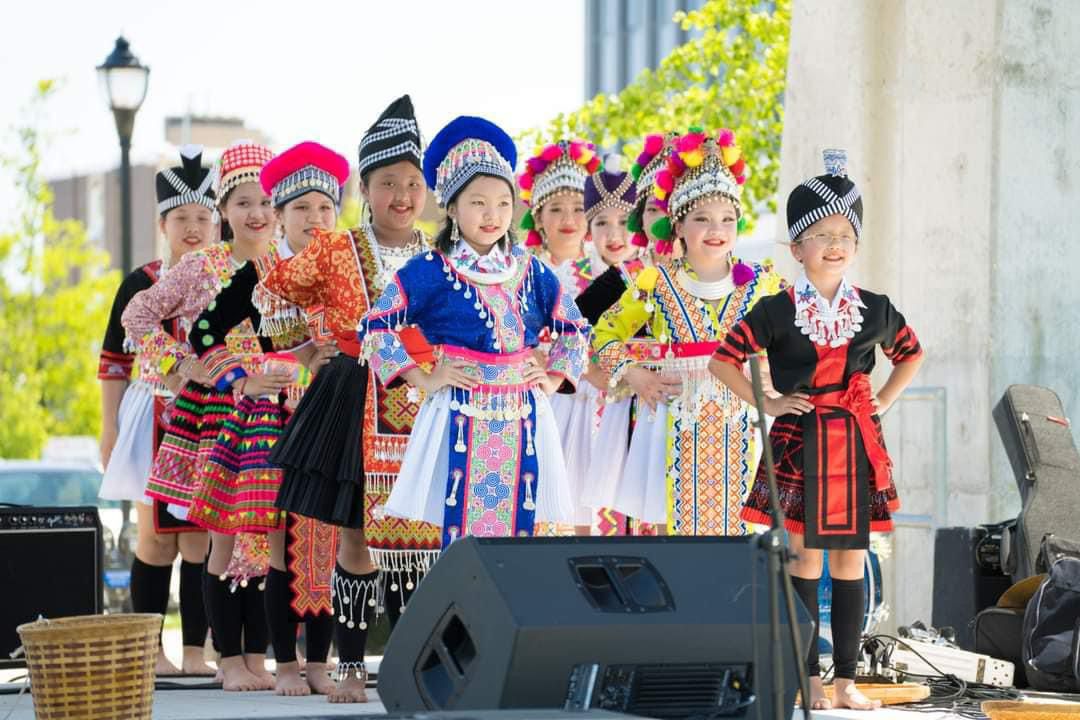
(394,137)
(189,183)
(829,194)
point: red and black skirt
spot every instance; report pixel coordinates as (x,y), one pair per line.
(821,464)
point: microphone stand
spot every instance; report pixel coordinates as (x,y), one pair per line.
(772,542)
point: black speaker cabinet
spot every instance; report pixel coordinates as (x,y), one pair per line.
(967,578)
(666,627)
(50,566)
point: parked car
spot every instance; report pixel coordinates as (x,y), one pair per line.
(43,483)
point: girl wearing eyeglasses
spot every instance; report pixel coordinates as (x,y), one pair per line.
(833,471)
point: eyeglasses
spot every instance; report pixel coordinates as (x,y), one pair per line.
(827,240)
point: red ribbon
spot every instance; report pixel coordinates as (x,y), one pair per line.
(858,399)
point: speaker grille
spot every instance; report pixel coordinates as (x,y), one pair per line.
(677,690)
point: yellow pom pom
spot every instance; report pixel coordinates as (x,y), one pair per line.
(586,156)
(646,279)
(730,154)
(694,158)
(526,195)
(660,193)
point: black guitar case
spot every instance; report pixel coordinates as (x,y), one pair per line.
(1039,441)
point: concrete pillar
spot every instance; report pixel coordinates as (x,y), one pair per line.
(962,121)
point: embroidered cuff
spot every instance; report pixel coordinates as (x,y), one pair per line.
(387,356)
(115,366)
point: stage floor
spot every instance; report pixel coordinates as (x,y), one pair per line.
(201,704)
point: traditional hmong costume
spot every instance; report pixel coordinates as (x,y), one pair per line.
(832,461)
(145,398)
(146,402)
(342,448)
(689,462)
(238,485)
(608,439)
(559,169)
(483,462)
(833,471)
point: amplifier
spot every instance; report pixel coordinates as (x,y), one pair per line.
(50,566)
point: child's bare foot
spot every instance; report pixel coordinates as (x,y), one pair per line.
(350,690)
(318,678)
(290,681)
(846,695)
(256,665)
(236,676)
(195,663)
(818,699)
(164,666)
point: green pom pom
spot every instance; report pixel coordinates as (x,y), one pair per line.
(633,223)
(742,223)
(527,221)
(207,340)
(204,324)
(212,305)
(662,228)
(635,171)
(696,129)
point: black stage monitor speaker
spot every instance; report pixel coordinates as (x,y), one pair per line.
(667,627)
(50,565)
(967,578)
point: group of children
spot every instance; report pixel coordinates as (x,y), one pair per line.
(318,412)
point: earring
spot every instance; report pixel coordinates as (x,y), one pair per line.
(369,217)
(455,236)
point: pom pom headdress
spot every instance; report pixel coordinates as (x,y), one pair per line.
(700,168)
(650,161)
(609,188)
(307,167)
(240,163)
(190,183)
(465,148)
(829,194)
(558,169)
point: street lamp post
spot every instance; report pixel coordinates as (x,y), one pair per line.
(124,81)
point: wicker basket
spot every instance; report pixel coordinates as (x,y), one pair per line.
(92,666)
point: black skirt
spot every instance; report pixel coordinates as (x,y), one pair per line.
(320,448)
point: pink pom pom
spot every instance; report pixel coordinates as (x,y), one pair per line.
(664,247)
(741,273)
(726,138)
(740,179)
(675,165)
(638,239)
(536,165)
(689,143)
(525,182)
(575,149)
(665,181)
(551,153)
(533,239)
(654,144)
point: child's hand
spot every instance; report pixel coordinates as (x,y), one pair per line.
(793,404)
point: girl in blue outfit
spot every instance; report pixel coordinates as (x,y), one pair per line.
(484,457)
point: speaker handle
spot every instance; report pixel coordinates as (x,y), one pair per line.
(772,543)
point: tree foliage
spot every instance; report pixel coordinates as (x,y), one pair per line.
(731,73)
(55,293)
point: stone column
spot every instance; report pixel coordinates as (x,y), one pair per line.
(962,123)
